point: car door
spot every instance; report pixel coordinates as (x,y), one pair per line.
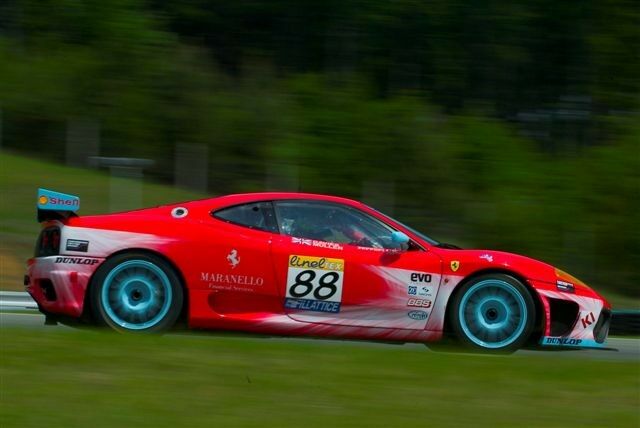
(233,265)
(337,265)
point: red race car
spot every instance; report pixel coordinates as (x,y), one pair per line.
(299,264)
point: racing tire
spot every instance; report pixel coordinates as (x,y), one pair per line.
(493,313)
(136,292)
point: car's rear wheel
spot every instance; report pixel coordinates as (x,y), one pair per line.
(493,312)
(136,292)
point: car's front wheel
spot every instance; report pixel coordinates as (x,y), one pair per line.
(136,292)
(493,312)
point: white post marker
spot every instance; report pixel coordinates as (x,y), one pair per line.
(126,181)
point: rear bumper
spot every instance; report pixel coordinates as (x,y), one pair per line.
(573,320)
(58,284)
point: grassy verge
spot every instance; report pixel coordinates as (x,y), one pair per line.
(79,379)
(20,178)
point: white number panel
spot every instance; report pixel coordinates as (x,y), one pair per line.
(314,284)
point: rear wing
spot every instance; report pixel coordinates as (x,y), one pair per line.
(56,206)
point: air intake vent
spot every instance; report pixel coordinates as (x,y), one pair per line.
(563,316)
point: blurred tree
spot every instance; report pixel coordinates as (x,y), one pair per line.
(508,124)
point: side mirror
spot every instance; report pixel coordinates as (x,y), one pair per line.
(400,239)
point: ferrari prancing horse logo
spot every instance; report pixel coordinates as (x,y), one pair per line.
(233,258)
(455,265)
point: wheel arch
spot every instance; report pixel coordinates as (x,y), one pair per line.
(86,313)
(539,309)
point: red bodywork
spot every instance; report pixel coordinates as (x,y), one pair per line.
(235,277)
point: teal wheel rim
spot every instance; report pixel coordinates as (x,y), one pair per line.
(136,295)
(493,314)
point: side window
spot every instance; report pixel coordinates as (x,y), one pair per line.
(332,223)
(258,215)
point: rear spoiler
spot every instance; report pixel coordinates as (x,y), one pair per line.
(56,206)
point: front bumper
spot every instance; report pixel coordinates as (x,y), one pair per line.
(58,284)
(573,320)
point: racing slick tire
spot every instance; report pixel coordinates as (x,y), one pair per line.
(493,313)
(136,292)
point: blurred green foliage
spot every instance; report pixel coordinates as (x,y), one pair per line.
(20,178)
(506,124)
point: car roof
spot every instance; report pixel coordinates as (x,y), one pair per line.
(241,198)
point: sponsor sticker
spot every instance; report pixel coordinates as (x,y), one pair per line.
(223,278)
(77,245)
(588,320)
(419,303)
(562,341)
(50,200)
(373,249)
(419,290)
(487,257)
(76,261)
(231,282)
(420,277)
(565,286)
(314,284)
(417,315)
(312,305)
(318,244)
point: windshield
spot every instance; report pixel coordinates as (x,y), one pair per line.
(421,235)
(410,229)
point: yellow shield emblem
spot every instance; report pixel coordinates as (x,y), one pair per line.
(455,265)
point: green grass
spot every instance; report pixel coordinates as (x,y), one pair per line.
(20,178)
(80,379)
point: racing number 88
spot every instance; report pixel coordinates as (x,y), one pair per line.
(305,279)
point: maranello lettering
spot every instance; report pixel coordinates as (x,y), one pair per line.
(221,278)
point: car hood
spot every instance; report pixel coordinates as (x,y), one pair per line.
(471,261)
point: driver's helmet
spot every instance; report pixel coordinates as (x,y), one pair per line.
(345,225)
(306,225)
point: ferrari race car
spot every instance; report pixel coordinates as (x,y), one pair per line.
(298,264)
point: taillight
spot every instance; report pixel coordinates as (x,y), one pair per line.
(48,242)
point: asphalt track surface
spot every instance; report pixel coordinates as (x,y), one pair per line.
(617,348)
